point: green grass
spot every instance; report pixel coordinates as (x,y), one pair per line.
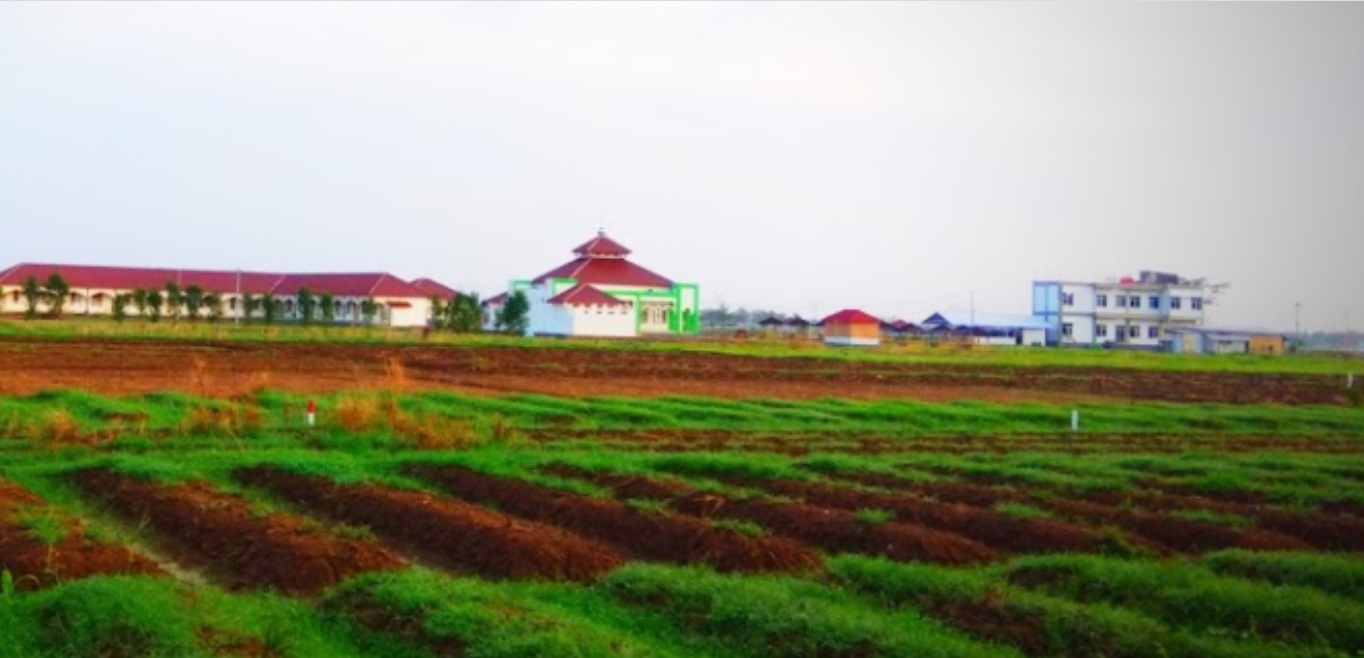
(1195,598)
(1334,574)
(1230,603)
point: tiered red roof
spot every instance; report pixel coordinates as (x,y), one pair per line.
(850,316)
(601,261)
(585,295)
(220,281)
(602,247)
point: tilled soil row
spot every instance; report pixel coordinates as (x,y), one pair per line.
(640,534)
(800,445)
(840,531)
(228,368)
(220,533)
(1275,529)
(460,536)
(33,564)
(833,530)
(1332,532)
(1176,534)
(987,526)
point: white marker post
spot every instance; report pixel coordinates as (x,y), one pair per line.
(1074,420)
(1350,381)
(312,413)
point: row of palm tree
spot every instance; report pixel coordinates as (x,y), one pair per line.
(192,302)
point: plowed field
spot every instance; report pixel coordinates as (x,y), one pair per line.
(229,369)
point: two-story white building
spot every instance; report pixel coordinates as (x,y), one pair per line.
(1138,312)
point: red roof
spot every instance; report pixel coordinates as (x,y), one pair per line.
(850,316)
(348,285)
(606,272)
(496,299)
(602,246)
(585,295)
(219,281)
(434,288)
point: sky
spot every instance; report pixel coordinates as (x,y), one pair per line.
(901,158)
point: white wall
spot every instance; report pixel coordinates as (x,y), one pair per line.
(603,321)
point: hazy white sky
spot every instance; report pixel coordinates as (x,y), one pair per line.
(806,156)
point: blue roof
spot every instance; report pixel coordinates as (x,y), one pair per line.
(984,321)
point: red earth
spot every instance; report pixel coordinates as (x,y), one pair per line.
(34,564)
(220,533)
(456,534)
(226,369)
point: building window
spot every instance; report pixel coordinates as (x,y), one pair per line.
(1134,332)
(1067,329)
(1101,330)
(1120,301)
(1067,299)
(1134,301)
(1174,303)
(1196,303)
(1155,302)
(1101,301)
(1153,332)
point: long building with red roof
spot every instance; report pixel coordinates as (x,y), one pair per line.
(93,289)
(602,293)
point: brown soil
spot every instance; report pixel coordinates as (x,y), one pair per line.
(233,368)
(1334,532)
(839,531)
(834,530)
(803,444)
(1177,534)
(221,533)
(990,618)
(641,534)
(991,528)
(460,536)
(33,564)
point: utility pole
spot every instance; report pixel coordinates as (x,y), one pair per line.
(1297,323)
(237,317)
(973,310)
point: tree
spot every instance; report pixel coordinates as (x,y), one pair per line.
(465,316)
(140,302)
(214,303)
(270,306)
(154,302)
(368,309)
(32,293)
(194,300)
(513,317)
(121,301)
(57,290)
(173,300)
(307,305)
(438,311)
(328,308)
(250,304)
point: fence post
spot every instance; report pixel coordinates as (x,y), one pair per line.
(1074,420)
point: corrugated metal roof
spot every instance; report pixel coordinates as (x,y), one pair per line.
(984,321)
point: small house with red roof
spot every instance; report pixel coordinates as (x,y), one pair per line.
(601,292)
(397,303)
(851,327)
